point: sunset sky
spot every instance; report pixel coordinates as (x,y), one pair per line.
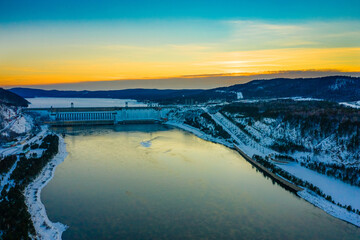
(66,41)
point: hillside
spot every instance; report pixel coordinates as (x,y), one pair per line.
(322,136)
(13,122)
(333,88)
(12,99)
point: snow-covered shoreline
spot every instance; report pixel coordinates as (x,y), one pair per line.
(316,200)
(199,133)
(330,208)
(45,229)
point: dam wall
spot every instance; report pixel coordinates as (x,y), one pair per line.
(102,115)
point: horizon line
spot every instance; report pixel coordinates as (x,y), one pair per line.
(228,79)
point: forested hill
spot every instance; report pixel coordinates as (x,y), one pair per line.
(333,88)
(323,136)
(12,99)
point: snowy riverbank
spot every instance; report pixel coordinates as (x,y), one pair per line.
(350,196)
(199,133)
(45,229)
(330,208)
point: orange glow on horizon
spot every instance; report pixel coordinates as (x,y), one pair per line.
(36,71)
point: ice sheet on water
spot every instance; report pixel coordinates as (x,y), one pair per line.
(146,144)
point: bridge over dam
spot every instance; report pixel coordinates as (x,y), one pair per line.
(101,115)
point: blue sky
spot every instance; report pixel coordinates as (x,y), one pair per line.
(68,42)
(45,10)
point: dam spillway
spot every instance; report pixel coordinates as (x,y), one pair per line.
(101,115)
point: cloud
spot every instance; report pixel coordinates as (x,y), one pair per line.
(264,35)
(66,53)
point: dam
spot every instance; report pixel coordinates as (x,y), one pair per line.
(71,116)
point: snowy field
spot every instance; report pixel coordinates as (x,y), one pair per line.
(341,192)
(82,102)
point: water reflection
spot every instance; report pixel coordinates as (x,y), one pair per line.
(177,187)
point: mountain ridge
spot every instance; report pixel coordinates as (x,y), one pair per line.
(332,88)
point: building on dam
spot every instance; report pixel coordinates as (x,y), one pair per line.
(101,115)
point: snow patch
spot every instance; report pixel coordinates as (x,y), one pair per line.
(341,192)
(4,179)
(339,83)
(351,104)
(146,144)
(22,124)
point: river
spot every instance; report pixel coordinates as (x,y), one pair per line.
(158,182)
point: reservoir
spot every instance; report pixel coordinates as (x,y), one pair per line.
(159,182)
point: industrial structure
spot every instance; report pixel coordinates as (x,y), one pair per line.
(101,115)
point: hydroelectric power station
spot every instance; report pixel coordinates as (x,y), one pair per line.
(101,115)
